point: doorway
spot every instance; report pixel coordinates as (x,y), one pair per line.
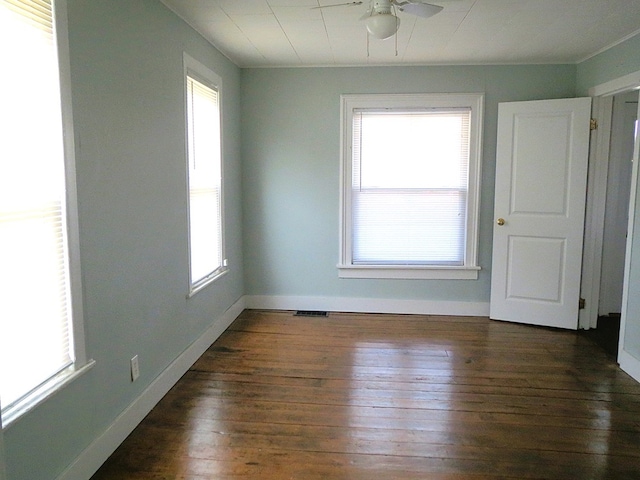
(625,106)
(628,355)
(616,218)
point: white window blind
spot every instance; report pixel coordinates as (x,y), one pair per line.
(205,182)
(36,340)
(410,178)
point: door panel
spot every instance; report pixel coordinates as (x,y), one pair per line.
(533,153)
(541,172)
(542,258)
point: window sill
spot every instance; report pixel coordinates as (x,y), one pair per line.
(47,390)
(207,281)
(408,272)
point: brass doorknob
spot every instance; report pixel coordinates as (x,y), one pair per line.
(500,221)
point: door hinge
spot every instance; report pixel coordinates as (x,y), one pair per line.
(593,124)
(582,304)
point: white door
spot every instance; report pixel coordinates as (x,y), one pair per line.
(541,175)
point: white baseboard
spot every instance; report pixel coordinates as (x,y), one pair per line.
(629,364)
(103,446)
(368,305)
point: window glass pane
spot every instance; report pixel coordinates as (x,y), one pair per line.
(205,180)
(35,312)
(409,181)
(405,228)
(414,150)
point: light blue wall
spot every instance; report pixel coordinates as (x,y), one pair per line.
(611,64)
(127,89)
(291,168)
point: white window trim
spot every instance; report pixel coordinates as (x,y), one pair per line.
(81,364)
(469,271)
(45,391)
(198,69)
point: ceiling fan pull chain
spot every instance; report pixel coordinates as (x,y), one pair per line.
(396,35)
(367,44)
(396,44)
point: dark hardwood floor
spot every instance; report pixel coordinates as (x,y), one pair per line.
(367,397)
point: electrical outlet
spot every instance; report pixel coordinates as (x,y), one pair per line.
(135,369)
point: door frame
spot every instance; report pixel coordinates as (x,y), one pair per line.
(591,271)
(2,467)
(3,474)
(602,110)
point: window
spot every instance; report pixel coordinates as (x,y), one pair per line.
(41,339)
(204,158)
(410,186)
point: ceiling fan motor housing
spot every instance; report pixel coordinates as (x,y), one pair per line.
(381,7)
(382,23)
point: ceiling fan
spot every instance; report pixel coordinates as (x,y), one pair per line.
(381,19)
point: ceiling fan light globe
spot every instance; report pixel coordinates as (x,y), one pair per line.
(382,26)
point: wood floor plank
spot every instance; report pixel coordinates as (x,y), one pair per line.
(356,396)
(241,392)
(397,388)
(440,443)
(260,411)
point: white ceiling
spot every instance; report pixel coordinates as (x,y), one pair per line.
(275,33)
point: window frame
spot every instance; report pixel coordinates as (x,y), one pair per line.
(350,102)
(81,364)
(198,71)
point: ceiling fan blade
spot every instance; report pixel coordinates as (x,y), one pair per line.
(424,10)
(349,4)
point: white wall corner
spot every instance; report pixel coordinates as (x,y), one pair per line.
(90,460)
(629,364)
(368,305)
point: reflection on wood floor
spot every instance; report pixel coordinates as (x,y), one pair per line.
(357,396)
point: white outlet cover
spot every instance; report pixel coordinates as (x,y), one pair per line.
(135,368)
